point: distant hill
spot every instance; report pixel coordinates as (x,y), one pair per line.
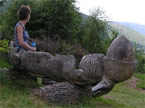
(84,16)
(132,31)
(137,27)
(129,33)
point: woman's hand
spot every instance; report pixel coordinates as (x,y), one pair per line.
(33,48)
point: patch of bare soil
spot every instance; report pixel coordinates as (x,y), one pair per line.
(132,82)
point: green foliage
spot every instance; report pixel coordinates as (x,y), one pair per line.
(1,3)
(96,37)
(140,57)
(141,80)
(110,102)
(131,98)
(4,48)
(61,18)
(4,62)
(36,26)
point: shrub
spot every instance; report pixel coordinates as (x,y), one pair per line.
(48,45)
(60,47)
(4,48)
(61,17)
(96,37)
(140,57)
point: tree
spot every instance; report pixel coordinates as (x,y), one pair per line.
(62,18)
(140,57)
(96,38)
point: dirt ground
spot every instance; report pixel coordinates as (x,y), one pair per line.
(132,82)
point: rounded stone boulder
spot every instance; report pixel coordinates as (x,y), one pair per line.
(118,71)
(121,49)
(119,65)
(92,66)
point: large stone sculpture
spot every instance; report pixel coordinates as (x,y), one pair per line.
(97,71)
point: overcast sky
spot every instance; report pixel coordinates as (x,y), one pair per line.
(117,10)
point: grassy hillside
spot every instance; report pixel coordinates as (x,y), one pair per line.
(130,34)
(137,27)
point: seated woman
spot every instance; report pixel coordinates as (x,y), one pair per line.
(21,36)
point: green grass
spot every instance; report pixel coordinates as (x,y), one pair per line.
(127,96)
(141,82)
(4,62)
(16,93)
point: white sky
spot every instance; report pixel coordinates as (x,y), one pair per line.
(117,10)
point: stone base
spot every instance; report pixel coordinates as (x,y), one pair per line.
(62,93)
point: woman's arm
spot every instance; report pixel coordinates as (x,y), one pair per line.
(21,40)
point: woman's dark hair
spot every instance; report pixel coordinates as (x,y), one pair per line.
(23,12)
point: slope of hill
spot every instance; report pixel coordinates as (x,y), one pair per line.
(137,27)
(84,17)
(130,34)
(132,31)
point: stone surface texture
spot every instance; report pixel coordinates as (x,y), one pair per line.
(96,70)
